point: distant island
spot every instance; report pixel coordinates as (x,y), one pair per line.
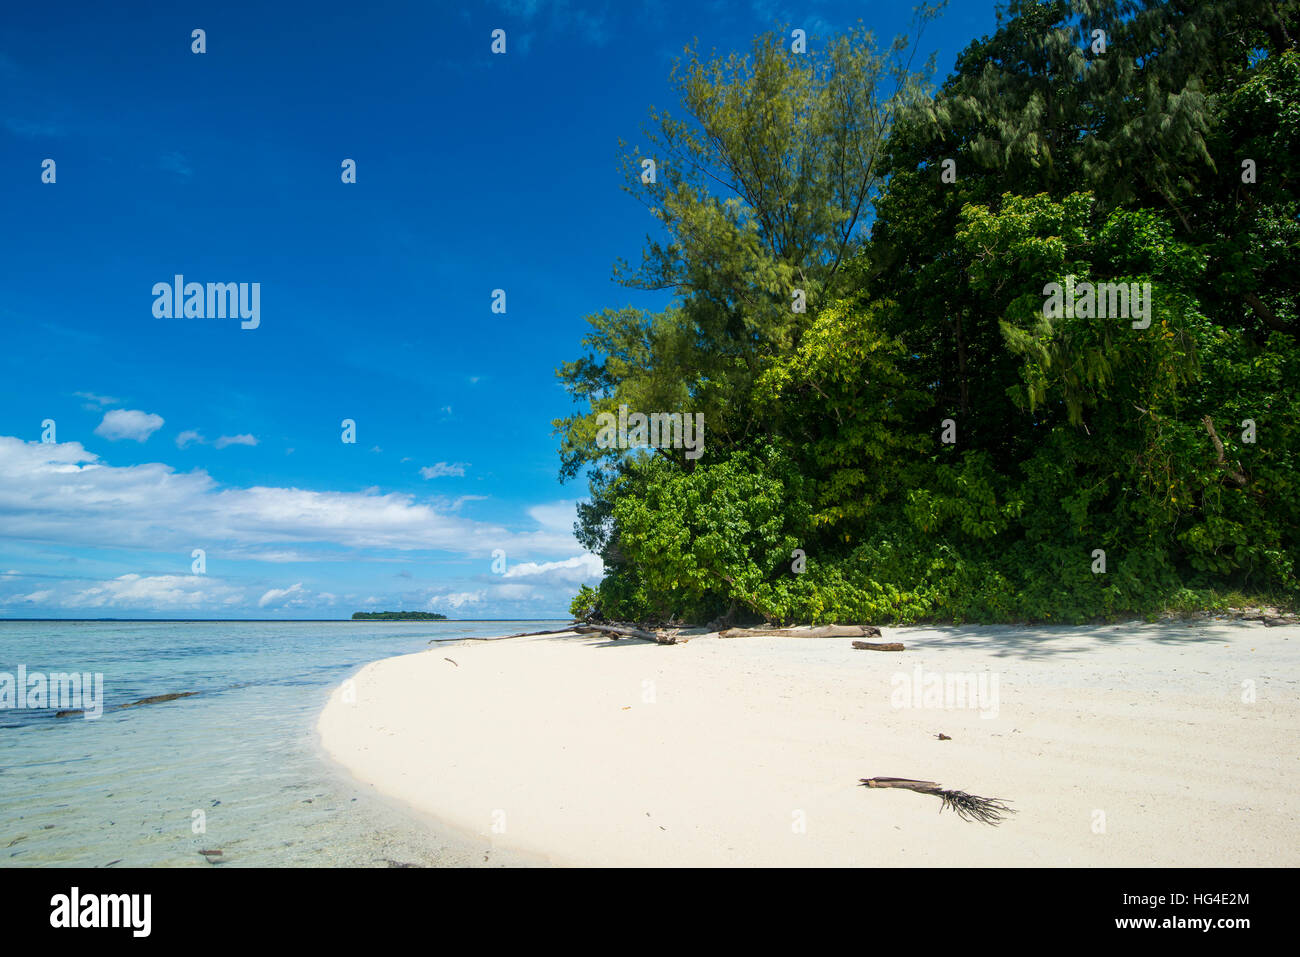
(397,616)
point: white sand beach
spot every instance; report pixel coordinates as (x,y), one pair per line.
(1168,744)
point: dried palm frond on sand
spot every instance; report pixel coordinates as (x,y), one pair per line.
(968,806)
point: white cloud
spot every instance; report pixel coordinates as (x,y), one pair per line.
(576,570)
(94,401)
(129,424)
(516,593)
(439,469)
(460,500)
(193,437)
(456,599)
(280,556)
(155,592)
(284,597)
(555,515)
(65,494)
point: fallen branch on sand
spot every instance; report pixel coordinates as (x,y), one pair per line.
(968,806)
(805,631)
(614,631)
(878,645)
(523,634)
(626,631)
(529,634)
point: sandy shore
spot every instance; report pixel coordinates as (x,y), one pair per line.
(1124,745)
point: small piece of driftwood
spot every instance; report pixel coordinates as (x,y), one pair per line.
(626,631)
(805,631)
(878,645)
(969,807)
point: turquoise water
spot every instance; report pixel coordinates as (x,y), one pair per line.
(123,790)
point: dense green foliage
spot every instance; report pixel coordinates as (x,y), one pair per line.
(927,440)
(397,616)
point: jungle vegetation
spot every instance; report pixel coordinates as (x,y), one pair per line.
(923,441)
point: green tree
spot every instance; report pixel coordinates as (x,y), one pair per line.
(762,183)
(1171,447)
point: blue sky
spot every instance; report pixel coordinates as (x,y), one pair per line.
(475,172)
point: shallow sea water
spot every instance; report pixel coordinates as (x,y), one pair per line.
(240,759)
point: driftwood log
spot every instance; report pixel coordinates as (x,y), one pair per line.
(523,634)
(805,631)
(529,634)
(878,645)
(969,807)
(626,631)
(613,631)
